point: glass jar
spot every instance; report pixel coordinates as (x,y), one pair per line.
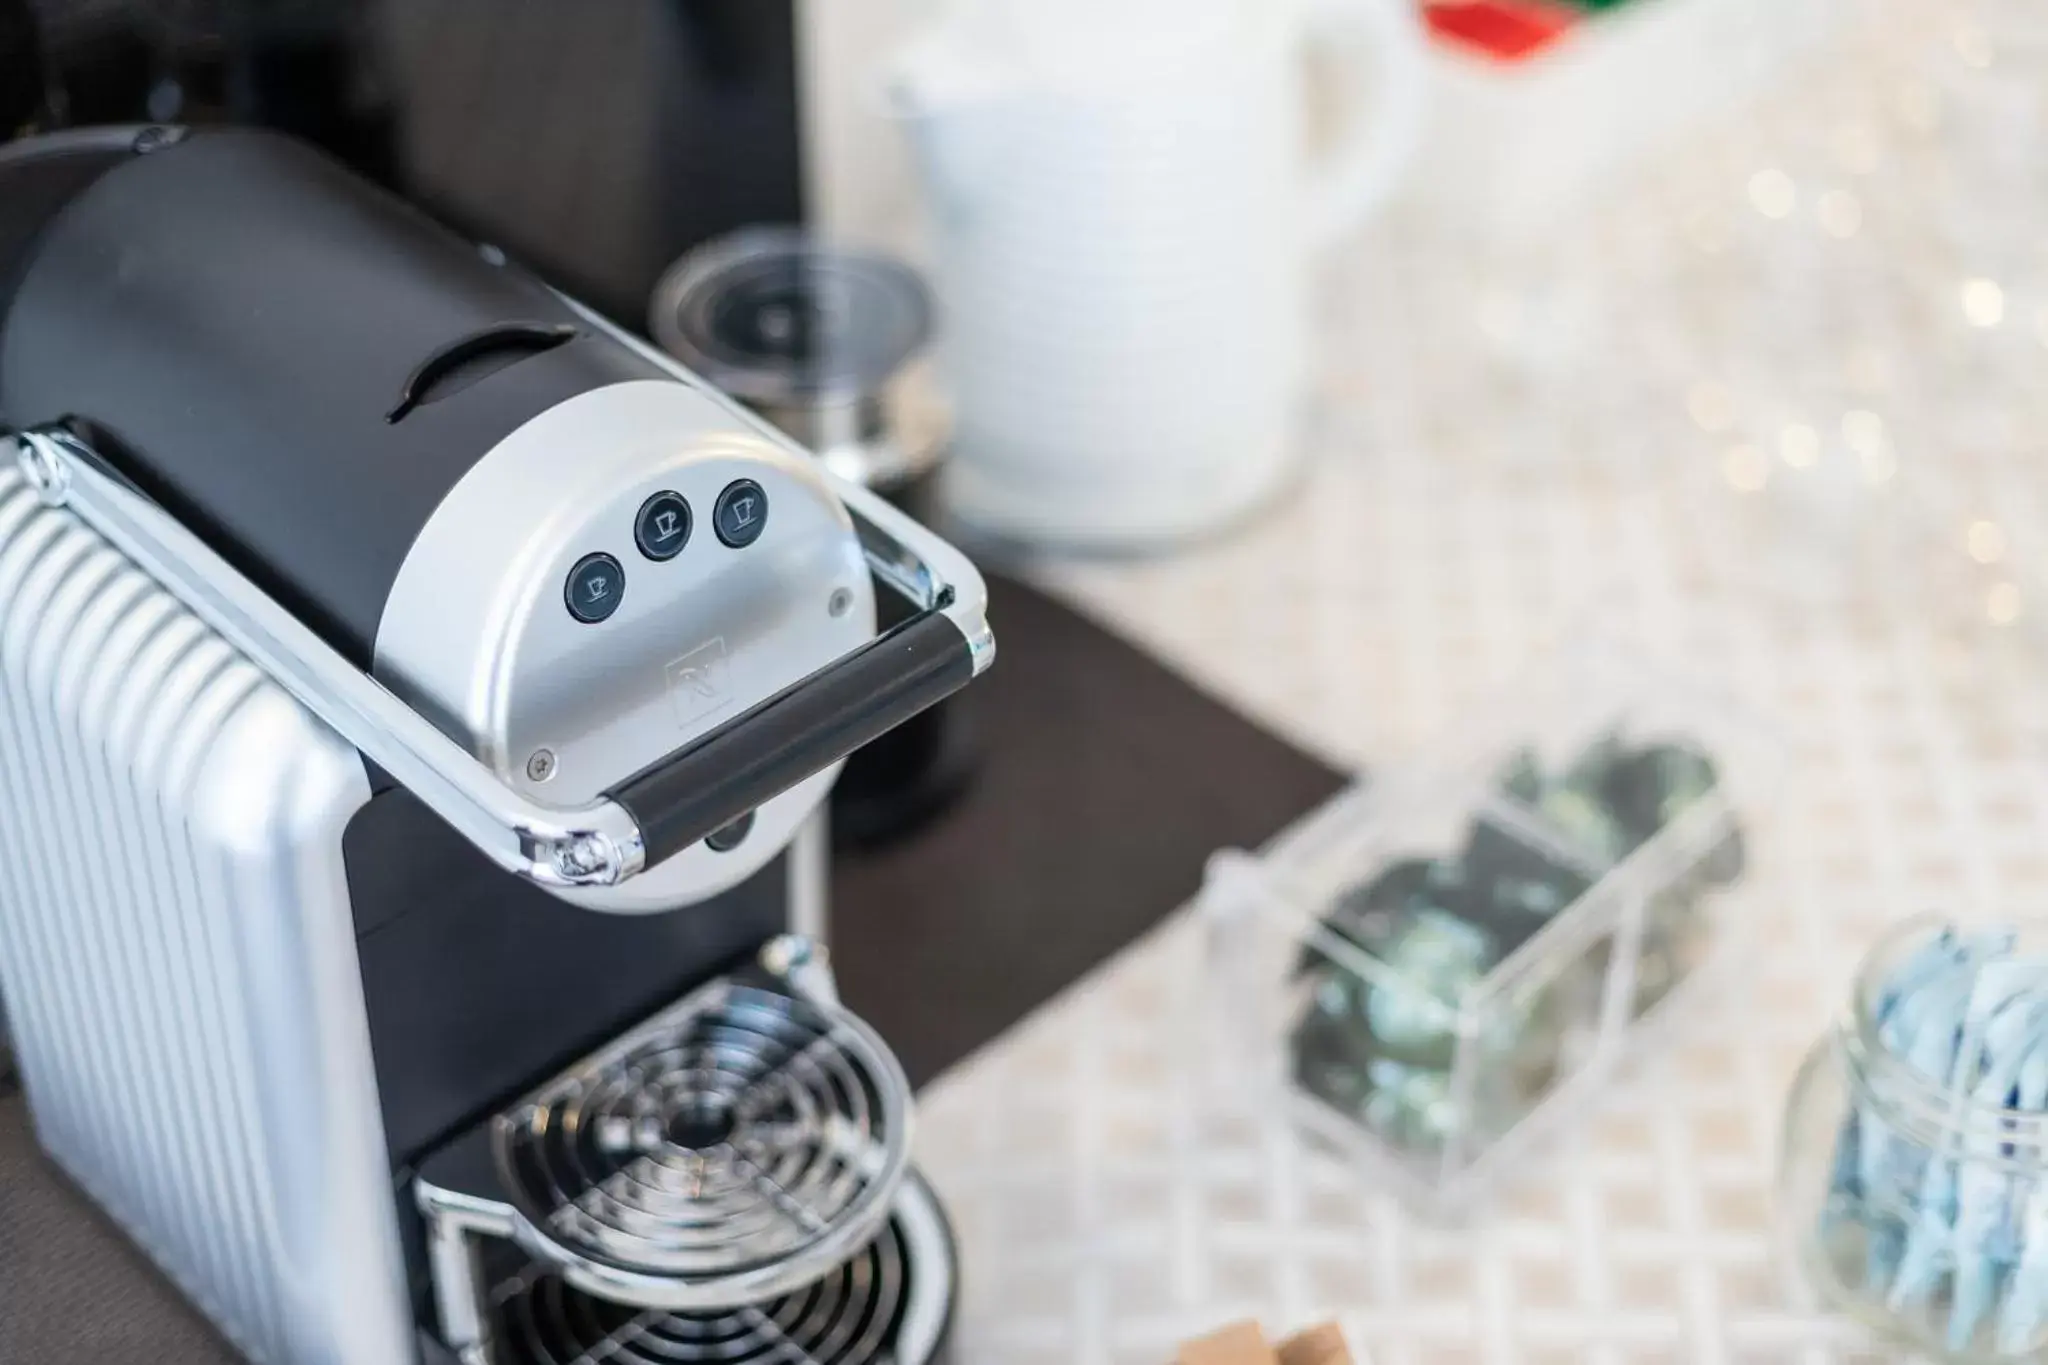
(1915,1205)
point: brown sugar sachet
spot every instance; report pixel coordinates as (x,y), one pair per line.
(1323,1345)
(1245,1343)
(1242,1343)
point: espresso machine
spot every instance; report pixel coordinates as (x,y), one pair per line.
(411,689)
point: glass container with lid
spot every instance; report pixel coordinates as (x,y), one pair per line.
(819,340)
(1913,1181)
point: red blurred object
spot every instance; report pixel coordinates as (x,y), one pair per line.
(1506,30)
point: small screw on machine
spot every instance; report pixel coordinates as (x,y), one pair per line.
(838,603)
(541,766)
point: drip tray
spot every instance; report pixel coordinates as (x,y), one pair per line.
(890,1304)
(743,1146)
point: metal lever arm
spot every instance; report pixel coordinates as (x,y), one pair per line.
(666,807)
(796,732)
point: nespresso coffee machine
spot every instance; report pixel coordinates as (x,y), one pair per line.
(410,687)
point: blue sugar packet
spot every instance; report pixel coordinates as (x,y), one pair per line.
(1986,1230)
(2025,1313)
(1907,1201)
(1853,1150)
(1881,1177)
(2002,1000)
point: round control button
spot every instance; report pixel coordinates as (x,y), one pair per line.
(595,588)
(741,514)
(663,526)
(729,837)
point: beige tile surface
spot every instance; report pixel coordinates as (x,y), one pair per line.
(1504,447)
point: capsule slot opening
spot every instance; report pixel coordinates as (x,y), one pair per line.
(474,358)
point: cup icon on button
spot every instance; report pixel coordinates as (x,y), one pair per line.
(595,588)
(741,514)
(663,526)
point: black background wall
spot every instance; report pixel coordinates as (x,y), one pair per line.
(596,140)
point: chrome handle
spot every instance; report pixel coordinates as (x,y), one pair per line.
(600,844)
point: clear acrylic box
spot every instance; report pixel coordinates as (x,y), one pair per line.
(1440,963)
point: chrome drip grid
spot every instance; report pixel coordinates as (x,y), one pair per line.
(890,1304)
(743,1147)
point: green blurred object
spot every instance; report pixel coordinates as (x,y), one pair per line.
(1436,960)
(1517,888)
(1395,986)
(1379,1041)
(1613,798)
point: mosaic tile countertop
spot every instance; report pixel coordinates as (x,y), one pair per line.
(1769,412)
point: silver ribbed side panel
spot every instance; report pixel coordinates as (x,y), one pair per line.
(177,953)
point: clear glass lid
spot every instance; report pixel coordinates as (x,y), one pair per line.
(773,317)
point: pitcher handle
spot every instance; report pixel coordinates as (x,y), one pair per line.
(1376,44)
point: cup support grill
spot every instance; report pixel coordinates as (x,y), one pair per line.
(743,1144)
(891,1304)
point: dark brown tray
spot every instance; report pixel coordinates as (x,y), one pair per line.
(1104,782)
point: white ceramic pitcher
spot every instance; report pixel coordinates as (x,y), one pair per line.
(1125,209)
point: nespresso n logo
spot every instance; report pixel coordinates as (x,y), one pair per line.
(699,683)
